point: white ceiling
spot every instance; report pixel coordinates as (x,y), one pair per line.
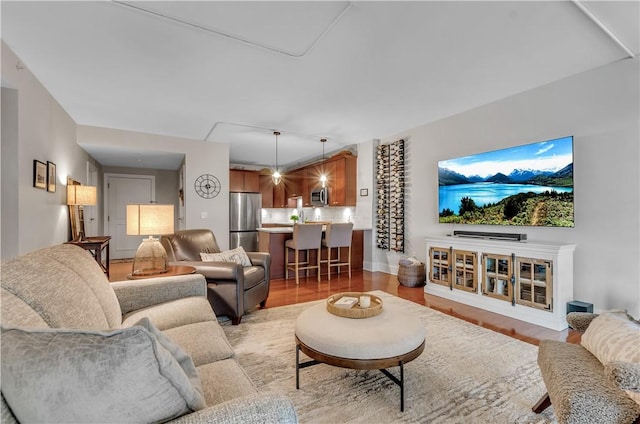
(232,72)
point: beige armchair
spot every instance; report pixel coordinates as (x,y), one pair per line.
(231,288)
(580,386)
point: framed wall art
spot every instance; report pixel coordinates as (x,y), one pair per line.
(39,174)
(51,177)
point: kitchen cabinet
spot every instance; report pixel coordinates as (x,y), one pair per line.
(342,181)
(266,190)
(300,186)
(273,196)
(244,181)
(273,242)
(341,171)
(294,183)
(279,196)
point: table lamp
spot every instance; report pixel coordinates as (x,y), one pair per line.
(149,220)
(80,196)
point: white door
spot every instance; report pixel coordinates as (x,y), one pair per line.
(91,212)
(122,190)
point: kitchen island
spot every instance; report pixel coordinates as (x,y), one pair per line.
(271,240)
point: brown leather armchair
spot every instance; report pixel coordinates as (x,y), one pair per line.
(231,288)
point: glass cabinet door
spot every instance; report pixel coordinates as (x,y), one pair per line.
(465,270)
(497,273)
(534,283)
(439,272)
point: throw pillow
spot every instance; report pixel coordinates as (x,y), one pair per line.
(66,375)
(237,255)
(614,337)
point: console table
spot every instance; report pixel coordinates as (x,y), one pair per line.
(530,281)
(96,245)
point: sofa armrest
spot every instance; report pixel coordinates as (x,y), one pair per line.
(259,408)
(212,271)
(580,320)
(262,259)
(137,294)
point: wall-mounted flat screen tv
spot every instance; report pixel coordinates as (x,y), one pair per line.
(523,185)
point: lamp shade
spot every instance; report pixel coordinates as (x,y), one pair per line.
(81,195)
(149,219)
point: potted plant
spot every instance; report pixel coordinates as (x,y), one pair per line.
(294,218)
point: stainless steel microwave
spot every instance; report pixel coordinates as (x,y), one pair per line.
(320,197)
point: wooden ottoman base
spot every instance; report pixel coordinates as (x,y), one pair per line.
(358,364)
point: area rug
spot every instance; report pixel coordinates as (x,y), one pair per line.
(466,374)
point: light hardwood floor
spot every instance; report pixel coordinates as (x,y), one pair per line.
(286,292)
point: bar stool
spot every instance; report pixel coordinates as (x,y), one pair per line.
(305,237)
(337,235)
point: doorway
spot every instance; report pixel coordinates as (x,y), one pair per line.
(91,212)
(121,190)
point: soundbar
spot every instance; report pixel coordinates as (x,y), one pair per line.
(492,236)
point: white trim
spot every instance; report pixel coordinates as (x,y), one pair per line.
(603,27)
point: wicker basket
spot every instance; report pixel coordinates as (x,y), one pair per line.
(411,274)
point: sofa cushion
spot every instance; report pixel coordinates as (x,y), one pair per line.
(613,336)
(205,342)
(64,285)
(236,383)
(18,312)
(176,313)
(237,255)
(127,375)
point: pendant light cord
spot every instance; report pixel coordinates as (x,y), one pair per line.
(276,133)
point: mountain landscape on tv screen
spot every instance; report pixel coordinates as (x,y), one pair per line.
(540,193)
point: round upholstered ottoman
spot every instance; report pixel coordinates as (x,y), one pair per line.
(390,339)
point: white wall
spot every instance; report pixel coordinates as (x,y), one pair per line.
(201,157)
(10,239)
(600,108)
(47,133)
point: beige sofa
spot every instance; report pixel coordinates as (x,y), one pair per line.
(597,381)
(76,348)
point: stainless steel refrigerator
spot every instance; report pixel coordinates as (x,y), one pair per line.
(244,220)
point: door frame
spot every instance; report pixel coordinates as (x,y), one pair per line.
(105,197)
(92,180)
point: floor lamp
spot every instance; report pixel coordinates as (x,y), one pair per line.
(149,220)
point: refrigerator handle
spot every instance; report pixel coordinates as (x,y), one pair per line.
(323,196)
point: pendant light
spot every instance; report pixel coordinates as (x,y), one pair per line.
(276,177)
(323,176)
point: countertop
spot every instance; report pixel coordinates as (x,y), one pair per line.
(276,230)
(285,230)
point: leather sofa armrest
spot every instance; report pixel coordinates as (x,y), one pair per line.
(137,294)
(258,408)
(262,259)
(216,271)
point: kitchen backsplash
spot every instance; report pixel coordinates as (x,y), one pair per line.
(360,216)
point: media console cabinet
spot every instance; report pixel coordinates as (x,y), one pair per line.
(530,281)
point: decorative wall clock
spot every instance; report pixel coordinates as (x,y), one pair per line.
(207,186)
